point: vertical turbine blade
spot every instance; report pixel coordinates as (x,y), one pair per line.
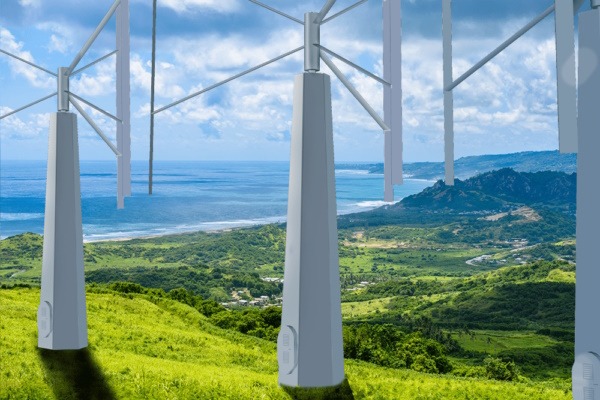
(566,76)
(448,97)
(123,105)
(392,96)
(151,158)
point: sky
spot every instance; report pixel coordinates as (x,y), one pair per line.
(508,106)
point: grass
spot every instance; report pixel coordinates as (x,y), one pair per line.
(144,348)
(361,308)
(494,342)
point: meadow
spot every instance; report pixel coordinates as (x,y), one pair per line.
(437,303)
(145,348)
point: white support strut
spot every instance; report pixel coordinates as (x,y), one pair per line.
(93,37)
(392,96)
(123,105)
(566,76)
(448,96)
(586,368)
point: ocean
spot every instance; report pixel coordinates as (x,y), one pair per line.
(187,196)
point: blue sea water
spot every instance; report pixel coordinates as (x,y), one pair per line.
(187,196)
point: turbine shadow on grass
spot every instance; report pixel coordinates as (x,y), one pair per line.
(340,392)
(74,374)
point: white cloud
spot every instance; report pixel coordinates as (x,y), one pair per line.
(30,3)
(15,128)
(61,38)
(102,83)
(166,78)
(183,6)
(37,78)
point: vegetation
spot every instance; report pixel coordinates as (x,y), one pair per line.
(444,295)
(155,348)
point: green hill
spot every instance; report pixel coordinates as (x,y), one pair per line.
(499,189)
(150,348)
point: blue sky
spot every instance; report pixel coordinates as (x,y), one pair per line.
(508,106)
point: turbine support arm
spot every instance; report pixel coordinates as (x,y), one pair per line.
(94,62)
(94,126)
(350,63)
(499,49)
(228,80)
(84,101)
(27,62)
(258,3)
(355,93)
(28,105)
(326,7)
(93,37)
(344,11)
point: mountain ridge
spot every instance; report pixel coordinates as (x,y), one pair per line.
(466,167)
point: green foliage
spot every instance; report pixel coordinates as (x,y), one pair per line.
(145,348)
(388,346)
(496,368)
(199,280)
(263,323)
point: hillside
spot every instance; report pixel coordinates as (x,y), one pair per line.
(489,209)
(466,167)
(145,348)
(497,189)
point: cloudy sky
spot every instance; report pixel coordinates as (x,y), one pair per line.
(508,106)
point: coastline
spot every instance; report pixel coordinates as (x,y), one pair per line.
(207,227)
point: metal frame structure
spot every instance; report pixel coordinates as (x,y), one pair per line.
(310,346)
(62,321)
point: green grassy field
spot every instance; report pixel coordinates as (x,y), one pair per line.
(144,348)
(494,342)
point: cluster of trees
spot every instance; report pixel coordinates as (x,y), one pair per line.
(210,283)
(263,323)
(205,307)
(389,346)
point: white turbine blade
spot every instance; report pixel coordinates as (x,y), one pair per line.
(566,76)
(344,11)
(94,126)
(392,96)
(258,3)
(27,106)
(93,37)
(28,62)
(448,96)
(354,92)
(152,82)
(123,104)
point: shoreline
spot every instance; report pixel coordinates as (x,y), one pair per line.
(209,227)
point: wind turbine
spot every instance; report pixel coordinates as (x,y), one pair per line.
(578,94)
(61,319)
(566,75)
(310,346)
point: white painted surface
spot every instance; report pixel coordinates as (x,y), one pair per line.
(311,292)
